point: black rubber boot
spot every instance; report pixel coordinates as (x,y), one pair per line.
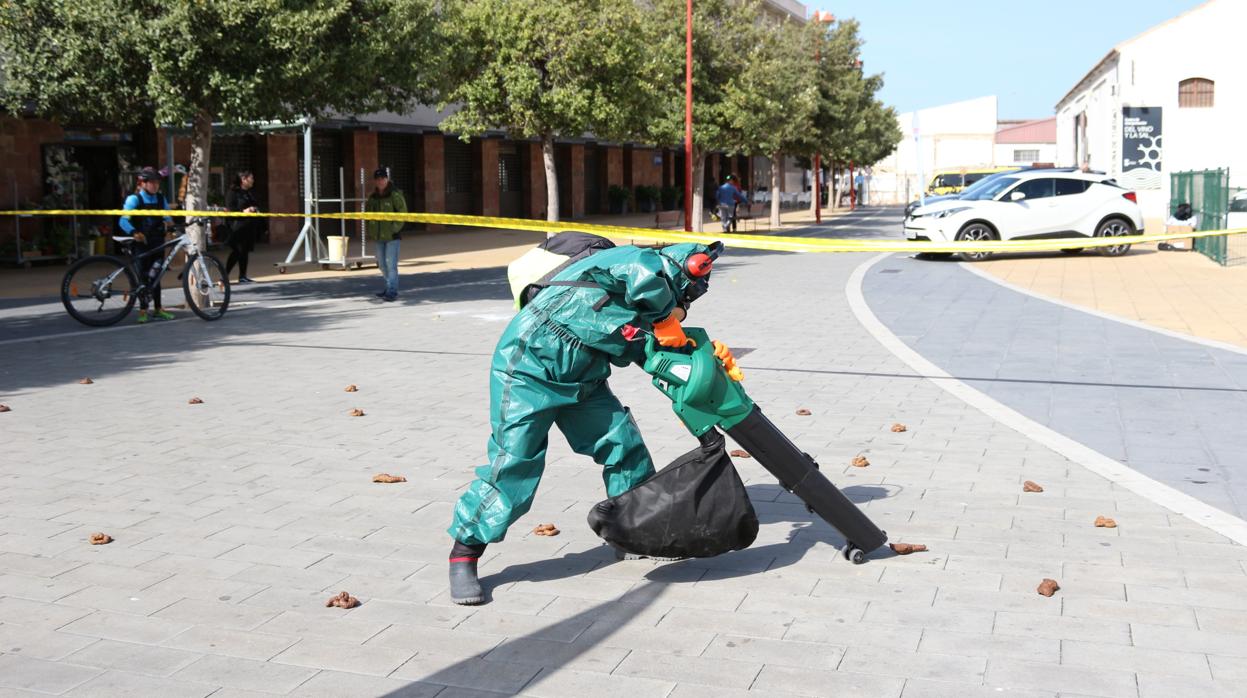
(465,586)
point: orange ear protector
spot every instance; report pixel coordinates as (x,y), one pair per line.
(699,265)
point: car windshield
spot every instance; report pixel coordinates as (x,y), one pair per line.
(989,189)
(979,185)
(948,180)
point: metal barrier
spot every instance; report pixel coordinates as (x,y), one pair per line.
(1208,192)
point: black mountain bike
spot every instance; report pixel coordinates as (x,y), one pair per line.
(100,290)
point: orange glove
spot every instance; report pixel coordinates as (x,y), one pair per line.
(669,333)
(724,354)
(140,237)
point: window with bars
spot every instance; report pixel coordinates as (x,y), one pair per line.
(1195,92)
(1027,156)
(458,173)
(509,175)
(397,151)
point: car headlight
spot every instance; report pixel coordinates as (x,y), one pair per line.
(949,212)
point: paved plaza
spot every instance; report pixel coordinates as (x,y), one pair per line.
(236,519)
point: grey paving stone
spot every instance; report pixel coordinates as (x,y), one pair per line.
(337,683)
(1189,640)
(1035,649)
(342,656)
(813,682)
(231,643)
(709,671)
(25,673)
(468,673)
(125,628)
(122,684)
(245,674)
(135,658)
(1012,674)
(565,682)
(39,643)
(216,613)
(1138,659)
(920,688)
(1165,686)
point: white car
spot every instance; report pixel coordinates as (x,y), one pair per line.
(1031,205)
(1237,217)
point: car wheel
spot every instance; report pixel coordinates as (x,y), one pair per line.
(1114,227)
(976,232)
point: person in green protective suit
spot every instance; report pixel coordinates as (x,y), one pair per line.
(550,369)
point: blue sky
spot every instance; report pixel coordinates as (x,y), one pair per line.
(1029,54)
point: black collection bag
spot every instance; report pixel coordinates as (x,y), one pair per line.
(695,507)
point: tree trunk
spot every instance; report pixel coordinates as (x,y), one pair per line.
(777,179)
(552,179)
(831,186)
(816,185)
(699,194)
(197,186)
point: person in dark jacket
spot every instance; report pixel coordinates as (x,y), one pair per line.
(242,231)
(385,234)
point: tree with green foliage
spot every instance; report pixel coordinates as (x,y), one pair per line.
(725,34)
(545,69)
(771,106)
(234,61)
(850,123)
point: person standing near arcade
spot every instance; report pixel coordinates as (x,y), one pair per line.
(385,234)
(242,231)
(149,233)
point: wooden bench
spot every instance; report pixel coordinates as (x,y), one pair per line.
(668,219)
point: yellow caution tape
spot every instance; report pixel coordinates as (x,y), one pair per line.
(776,243)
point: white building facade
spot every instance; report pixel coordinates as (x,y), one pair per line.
(1026,144)
(952,136)
(1168,100)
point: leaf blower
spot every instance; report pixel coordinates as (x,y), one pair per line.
(707,399)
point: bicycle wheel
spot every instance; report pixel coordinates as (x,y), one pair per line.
(99,290)
(206,287)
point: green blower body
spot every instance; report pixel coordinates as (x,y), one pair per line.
(706,399)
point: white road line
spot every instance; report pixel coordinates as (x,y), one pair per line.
(1179,502)
(1215,344)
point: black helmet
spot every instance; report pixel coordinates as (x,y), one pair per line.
(149,174)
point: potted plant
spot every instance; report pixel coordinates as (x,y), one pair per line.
(618,197)
(667,194)
(646,198)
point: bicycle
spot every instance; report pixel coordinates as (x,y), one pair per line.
(100,290)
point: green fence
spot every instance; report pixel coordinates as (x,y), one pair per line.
(1209,194)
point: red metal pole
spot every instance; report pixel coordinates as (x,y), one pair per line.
(852,189)
(688,116)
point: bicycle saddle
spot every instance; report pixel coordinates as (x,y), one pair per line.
(123,238)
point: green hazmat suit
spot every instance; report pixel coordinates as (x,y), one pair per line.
(550,369)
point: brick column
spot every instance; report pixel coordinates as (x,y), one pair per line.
(490,192)
(282,165)
(536,182)
(578,180)
(362,154)
(434,167)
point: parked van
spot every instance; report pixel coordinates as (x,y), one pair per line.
(953,181)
